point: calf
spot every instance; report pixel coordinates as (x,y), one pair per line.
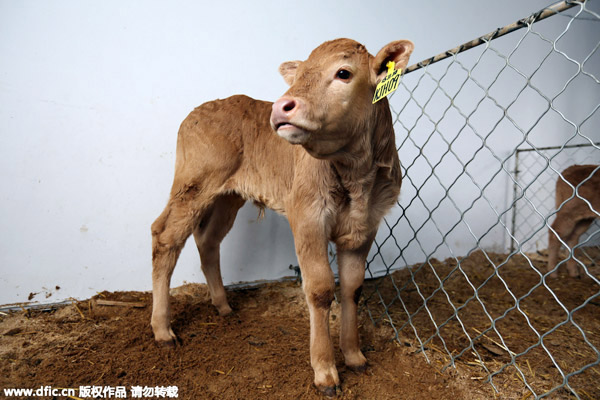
(322,155)
(575,216)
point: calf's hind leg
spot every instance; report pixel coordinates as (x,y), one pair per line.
(208,234)
(580,228)
(169,233)
(561,229)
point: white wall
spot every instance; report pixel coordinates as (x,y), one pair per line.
(91,97)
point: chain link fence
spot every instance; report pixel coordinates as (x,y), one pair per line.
(483,136)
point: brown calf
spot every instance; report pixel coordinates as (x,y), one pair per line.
(336,184)
(575,216)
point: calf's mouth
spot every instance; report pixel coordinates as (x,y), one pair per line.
(292,133)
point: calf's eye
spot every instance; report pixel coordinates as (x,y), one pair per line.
(343,74)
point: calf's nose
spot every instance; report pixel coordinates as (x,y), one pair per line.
(285,106)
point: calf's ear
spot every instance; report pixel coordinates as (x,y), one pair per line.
(398,52)
(288,71)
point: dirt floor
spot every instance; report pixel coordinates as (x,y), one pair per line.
(261,350)
(531,348)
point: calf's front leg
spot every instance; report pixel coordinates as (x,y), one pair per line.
(352,275)
(318,284)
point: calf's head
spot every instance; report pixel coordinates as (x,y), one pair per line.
(329,101)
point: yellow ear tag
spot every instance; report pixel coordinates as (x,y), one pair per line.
(389,83)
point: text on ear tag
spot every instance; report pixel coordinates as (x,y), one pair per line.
(389,83)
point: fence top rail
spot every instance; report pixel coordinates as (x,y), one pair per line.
(535,17)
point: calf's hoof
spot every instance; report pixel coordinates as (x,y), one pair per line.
(359,369)
(574,272)
(165,338)
(166,344)
(327,381)
(329,391)
(224,310)
(355,361)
